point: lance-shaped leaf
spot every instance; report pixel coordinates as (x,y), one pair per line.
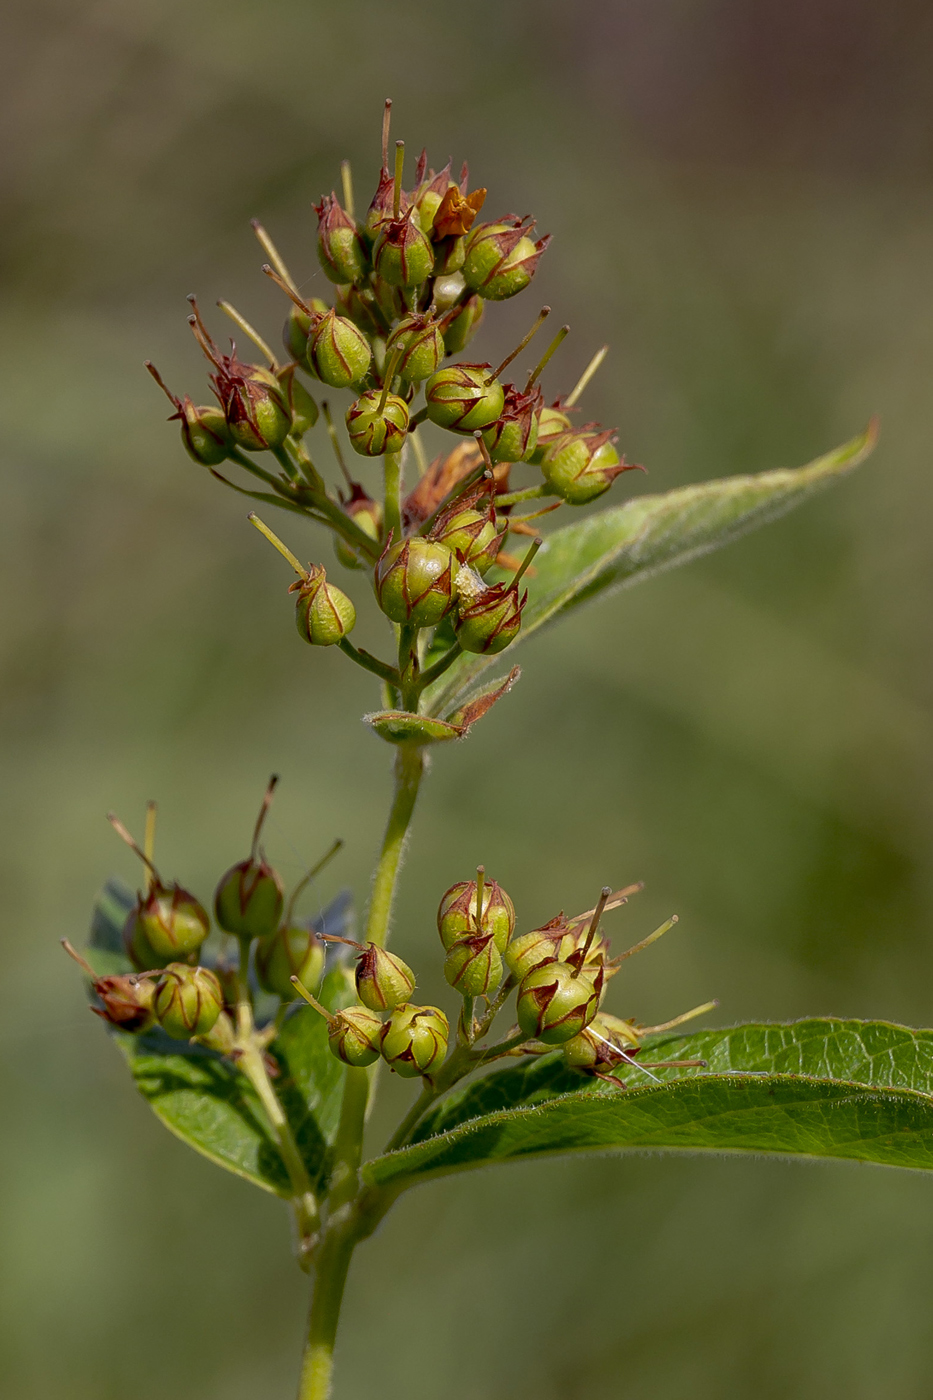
(627,543)
(844,1089)
(402,727)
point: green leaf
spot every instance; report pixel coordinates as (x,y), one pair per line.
(630,542)
(820,1088)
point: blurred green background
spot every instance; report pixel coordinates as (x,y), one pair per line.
(742,203)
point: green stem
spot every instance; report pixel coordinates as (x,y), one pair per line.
(409,769)
(303,1199)
(530,493)
(434,672)
(330,1280)
(369,663)
(393,488)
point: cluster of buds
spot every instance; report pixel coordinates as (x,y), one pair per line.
(410,277)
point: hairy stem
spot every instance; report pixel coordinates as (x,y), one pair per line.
(330,1279)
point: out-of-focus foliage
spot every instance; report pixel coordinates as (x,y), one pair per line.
(741,202)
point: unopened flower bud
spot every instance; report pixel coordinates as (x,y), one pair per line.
(188,1001)
(126,1002)
(248,900)
(339,246)
(553,423)
(414,581)
(339,352)
(554,1004)
(402,253)
(493,621)
(355,1035)
(422,346)
(470,531)
(171,921)
(291,951)
(473,965)
(323,611)
(579,466)
(376,427)
(513,436)
(383,981)
(540,946)
(414,1040)
(461,328)
(456,915)
(501,258)
(463,398)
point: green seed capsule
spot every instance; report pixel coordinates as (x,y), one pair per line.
(383,981)
(289,952)
(582,465)
(491,623)
(188,1001)
(402,253)
(460,330)
(354,1036)
(422,346)
(462,398)
(554,1004)
(501,258)
(553,423)
(254,406)
(470,531)
(473,966)
(514,435)
(138,948)
(204,433)
(414,1040)
(414,581)
(456,915)
(323,612)
(339,353)
(596,1049)
(339,246)
(373,430)
(297,331)
(542,945)
(248,899)
(171,921)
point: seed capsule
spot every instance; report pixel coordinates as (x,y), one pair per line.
(414,1040)
(461,328)
(383,981)
(204,433)
(540,946)
(376,427)
(339,246)
(422,346)
(554,1004)
(301,406)
(292,951)
(367,514)
(492,623)
(462,398)
(402,253)
(360,306)
(323,612)
(470,531)
(127,1002)
(579,466)
(354,1036)
(501,258)
(414,581)
(253,403)
(456,915)
(553,423)
(514,435)
(473,965)
(297,331)
(248,900)
(138,948)
(171,921)
(339,352)
(596,1049)
(188,1001)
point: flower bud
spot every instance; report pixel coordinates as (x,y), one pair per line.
(414,581)
(579,466)
(422,346)
(470,531)
(297,331)
(291,951)
(367,514)
(301,406)
(339,352)
(460,329)
(127,1002)
(514,434)
(463,398)
(414,1040)
(323,611)
(188,1001)
(248,900)
(339,246)
(402,253)
(501,258)
(354,1036)
(456,915)
(490,624)
(553,423)
(554,1004)
(373,429)
(542,945)
(473,965)
(383,981)
(253,404)
(171,921)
